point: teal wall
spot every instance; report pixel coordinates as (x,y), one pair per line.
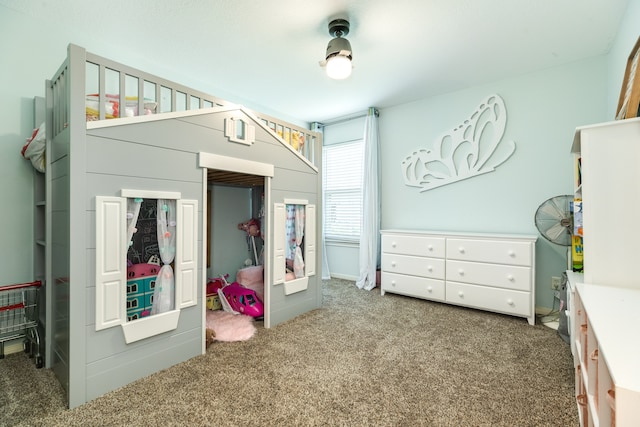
(543,110)
(627,36)
(229,207)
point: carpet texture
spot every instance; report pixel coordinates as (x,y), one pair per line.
(360,360)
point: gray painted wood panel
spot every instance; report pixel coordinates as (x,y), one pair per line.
(190,320)
(160,155)
(115,157)
(109,185)
(59,146)
(123,368)
(205,133)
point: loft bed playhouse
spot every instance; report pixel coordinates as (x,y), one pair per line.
(117,139)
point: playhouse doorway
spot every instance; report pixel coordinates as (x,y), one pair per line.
(233,200)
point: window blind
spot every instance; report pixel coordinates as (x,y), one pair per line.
(342,190)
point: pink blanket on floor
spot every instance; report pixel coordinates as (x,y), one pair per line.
(230,327)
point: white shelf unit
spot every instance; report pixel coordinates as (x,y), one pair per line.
(604,301)
(610,155)
(493,272)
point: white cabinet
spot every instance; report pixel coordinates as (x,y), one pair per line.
(413,265)
(606,355)
(486,271)
(610,155)
(604,302)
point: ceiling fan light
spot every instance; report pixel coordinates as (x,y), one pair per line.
(339,67)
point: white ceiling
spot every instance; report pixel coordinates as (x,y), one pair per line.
(267,52)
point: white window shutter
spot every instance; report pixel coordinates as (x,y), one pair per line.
(279,218)
(111,265)
(186,262)
(310,241)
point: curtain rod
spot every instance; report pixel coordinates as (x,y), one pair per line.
(349,117)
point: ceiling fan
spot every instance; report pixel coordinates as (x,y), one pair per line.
(338,57)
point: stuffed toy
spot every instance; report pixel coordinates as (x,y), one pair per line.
(251,227)
(209,335)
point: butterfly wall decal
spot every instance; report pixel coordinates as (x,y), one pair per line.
(468,150)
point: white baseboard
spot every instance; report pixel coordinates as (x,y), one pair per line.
(343,277)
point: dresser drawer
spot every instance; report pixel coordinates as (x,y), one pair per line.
(493,251)
(494,299)
(413,286)
(497,275)
(412,265)
(414,245)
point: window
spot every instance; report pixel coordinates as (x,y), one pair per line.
(342,190)
(116,305)
(294,244)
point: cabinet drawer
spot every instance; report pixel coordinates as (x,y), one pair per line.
(495,251)
(415,266)
(497,275)
(413,286)
(493,299)
(414,245)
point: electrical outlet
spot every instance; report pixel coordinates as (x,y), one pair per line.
(555,283)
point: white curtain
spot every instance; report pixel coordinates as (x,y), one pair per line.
(370,231)
(326,273)
(163,296)
(298,260)
(133,212)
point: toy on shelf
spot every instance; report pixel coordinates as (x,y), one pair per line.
(213,300)
(141,283)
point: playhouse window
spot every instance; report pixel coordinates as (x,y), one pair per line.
(151,234)
(146,261)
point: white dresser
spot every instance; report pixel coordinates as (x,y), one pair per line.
(494,272)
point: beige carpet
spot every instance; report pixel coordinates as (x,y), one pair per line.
(360,360)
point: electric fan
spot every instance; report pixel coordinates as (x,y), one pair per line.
(553,220)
